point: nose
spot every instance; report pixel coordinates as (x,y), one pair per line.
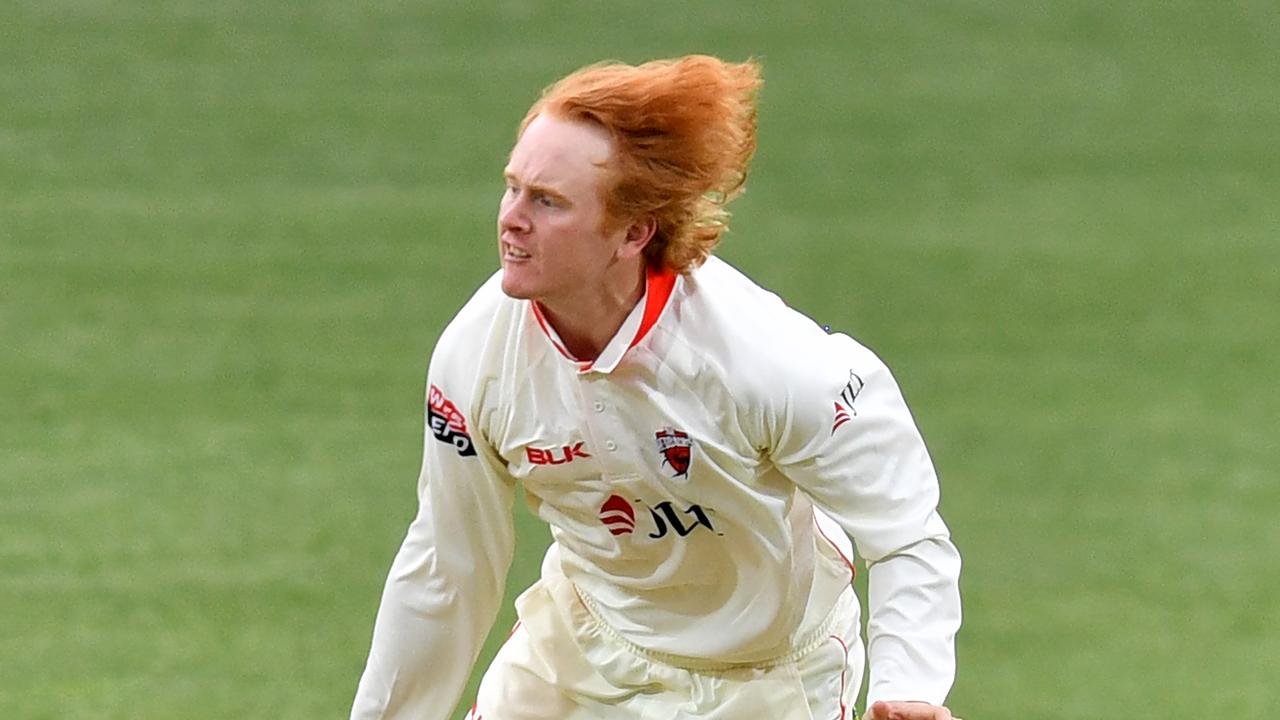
(511,216)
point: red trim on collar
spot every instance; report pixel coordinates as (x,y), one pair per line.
(546,330)
(658,287)
(659,284)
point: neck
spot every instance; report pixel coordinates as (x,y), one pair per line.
(587,322)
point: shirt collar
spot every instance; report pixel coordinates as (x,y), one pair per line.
(659,285)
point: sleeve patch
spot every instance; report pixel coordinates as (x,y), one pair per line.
(844,409)
(447,423)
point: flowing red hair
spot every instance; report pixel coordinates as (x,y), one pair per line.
(684,131)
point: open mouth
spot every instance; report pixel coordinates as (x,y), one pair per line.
(514,253)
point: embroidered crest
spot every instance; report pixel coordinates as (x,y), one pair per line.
(677,449)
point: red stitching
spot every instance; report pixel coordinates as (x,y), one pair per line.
(844,671)
(853,571)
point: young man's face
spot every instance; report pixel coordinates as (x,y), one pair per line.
(551,235)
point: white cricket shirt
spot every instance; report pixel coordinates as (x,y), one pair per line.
(690,476)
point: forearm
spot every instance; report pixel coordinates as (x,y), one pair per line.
(913,599)
(429,630)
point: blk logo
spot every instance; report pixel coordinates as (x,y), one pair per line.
(556,456)
(844,410)
(677,450)
(447,423)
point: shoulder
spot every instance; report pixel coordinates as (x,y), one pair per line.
(475,320)
(468,361)
(469,337)
(729,313)
(778,360)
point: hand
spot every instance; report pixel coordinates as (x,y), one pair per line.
(908,711)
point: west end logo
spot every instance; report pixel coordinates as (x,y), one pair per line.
(677,450)
(447,423)
(619,516)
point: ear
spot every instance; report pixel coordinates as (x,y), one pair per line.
(639,233)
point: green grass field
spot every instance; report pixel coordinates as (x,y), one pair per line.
(231,232)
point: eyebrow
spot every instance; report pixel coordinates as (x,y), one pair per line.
(511,177)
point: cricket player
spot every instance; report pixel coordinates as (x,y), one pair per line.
(702,453)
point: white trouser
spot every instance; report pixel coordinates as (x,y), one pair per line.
(562,663)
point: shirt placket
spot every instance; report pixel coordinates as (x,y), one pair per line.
(603,425)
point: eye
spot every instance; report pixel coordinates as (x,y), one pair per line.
(544,200)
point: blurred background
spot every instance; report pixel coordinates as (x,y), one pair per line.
(231,232)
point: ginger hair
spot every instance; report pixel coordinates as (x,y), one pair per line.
(683,130)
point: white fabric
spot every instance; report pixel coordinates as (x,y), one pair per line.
(562,663)
(714,563)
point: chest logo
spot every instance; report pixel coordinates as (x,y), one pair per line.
(555,456)
(619,516)
(677,450)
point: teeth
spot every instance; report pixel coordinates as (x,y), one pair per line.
(516,253)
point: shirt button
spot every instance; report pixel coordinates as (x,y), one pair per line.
(611,445)
(599,406)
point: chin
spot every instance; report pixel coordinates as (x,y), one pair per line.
(514,288)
